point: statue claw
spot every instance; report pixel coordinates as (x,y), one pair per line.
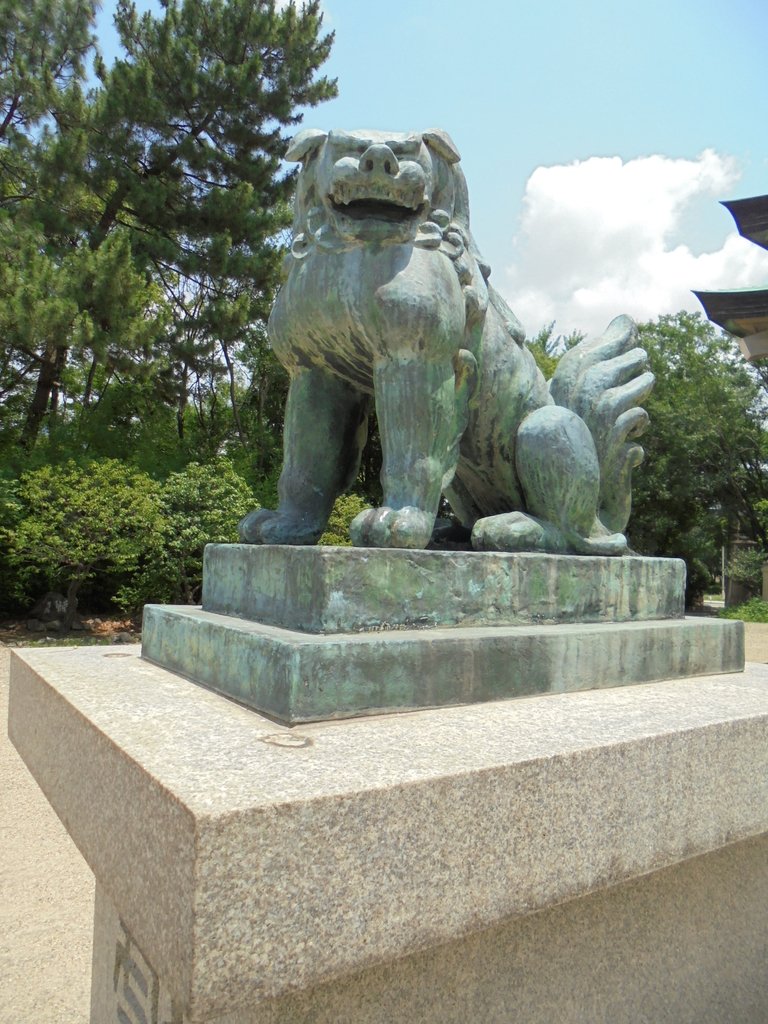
(264,526)
(407,527)
(516,531)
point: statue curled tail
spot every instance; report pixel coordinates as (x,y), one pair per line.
(603,382)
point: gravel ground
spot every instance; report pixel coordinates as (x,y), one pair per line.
(46,891)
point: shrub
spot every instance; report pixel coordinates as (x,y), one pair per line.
(11,513)
(345,508)
(754,610)
(201,504)
(746,568)
(77,521)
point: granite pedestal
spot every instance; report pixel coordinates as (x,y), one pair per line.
(434,865)
(599,855)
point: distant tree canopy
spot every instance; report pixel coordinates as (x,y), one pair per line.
(143,215)
(705,476)
(704,480)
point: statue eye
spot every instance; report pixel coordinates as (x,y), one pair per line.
(348,145)
(405,147)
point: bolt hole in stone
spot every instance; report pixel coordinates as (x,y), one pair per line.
(287,739)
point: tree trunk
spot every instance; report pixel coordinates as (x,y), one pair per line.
(260,406)
(46,380)
(61,362)
(181,406)
(233,394)
(87,394)
(71,612)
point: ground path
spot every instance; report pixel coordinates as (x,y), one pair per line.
(46,891)
(46,900)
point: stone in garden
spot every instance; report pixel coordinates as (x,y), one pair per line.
(50,608)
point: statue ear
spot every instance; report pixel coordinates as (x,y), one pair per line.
(442,143)
(305,143)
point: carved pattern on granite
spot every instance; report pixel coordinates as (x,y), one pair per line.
(137,986)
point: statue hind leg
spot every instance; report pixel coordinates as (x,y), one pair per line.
(575,459)
(557,465)
(326,424)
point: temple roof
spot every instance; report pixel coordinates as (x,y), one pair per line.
(744,311)
(741,312)
(751,216)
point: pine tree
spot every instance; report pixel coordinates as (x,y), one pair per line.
(202,96)
(149,209)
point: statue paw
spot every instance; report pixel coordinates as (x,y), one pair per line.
(407,527)
(608,544)
(263,526)
(516,531)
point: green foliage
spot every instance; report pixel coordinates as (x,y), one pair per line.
(11,513)
(43,49)
(346,507)
(547,348)
(745,567)
(754,610)
(141,541)
(76,521)
(761,513)
(704,471)
(141,219)
(200,505)
(139,226)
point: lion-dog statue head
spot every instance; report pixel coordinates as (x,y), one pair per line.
(359,187)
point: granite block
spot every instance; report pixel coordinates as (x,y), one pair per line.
(683,945)
(339,590)
(249,860)
(299,677)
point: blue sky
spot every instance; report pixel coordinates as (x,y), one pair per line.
(597,137)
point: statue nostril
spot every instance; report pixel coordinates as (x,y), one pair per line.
(387,167)
(368,165)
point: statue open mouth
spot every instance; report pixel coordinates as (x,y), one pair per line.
(376,209)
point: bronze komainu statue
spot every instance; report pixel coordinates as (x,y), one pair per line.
(387,300)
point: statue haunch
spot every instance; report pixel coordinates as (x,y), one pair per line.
(387,300)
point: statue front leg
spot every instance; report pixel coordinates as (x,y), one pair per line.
(420,426)
(326,424)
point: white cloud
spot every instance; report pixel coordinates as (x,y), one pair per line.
(601,237)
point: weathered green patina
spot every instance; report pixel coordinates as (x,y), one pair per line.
(387,300)
(300,677)
(311,633)
(333,590)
